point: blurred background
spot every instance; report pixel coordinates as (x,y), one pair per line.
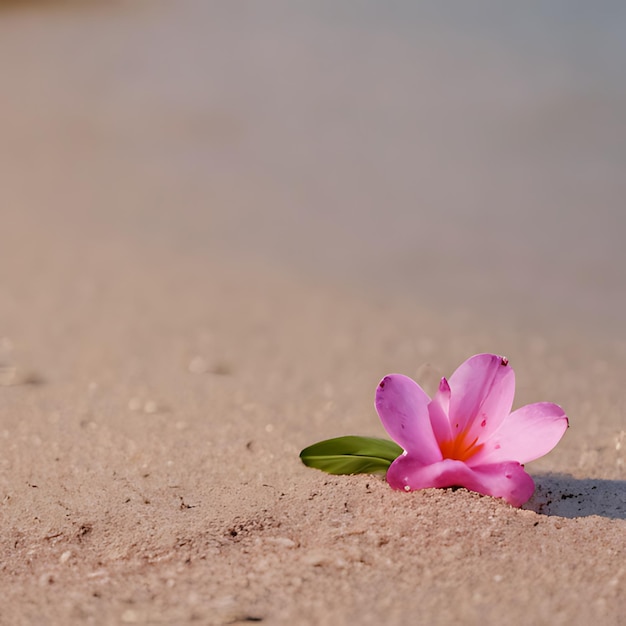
(468,156)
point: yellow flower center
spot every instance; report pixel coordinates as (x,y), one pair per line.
(461,448)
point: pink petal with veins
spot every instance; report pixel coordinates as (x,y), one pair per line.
(438,412)
(527,434)
(481,395)
(501,480)
(403,409)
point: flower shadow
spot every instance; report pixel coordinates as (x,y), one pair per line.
(566,496)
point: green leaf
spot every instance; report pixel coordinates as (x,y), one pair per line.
(351,455)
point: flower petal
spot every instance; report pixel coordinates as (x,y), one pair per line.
(482,391)
(501,480)
(506,480)
(403,409)
(438,410)
(527,434)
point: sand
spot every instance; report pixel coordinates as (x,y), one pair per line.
(170,339)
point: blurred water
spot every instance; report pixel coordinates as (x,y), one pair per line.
(471,156)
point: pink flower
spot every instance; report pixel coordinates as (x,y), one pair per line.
(466,436)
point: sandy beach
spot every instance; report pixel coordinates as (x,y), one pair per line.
(220,227)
